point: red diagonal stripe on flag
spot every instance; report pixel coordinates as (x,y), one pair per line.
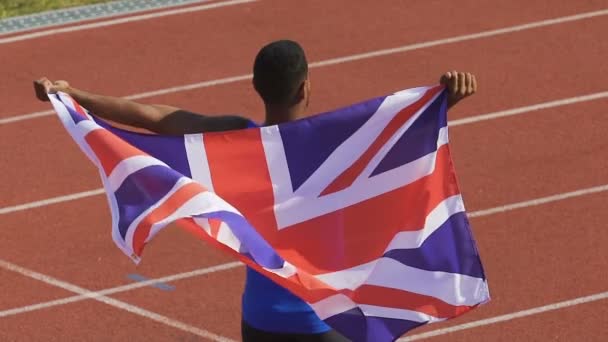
(402,299)
(109,149)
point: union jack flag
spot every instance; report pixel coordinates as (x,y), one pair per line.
(357,211)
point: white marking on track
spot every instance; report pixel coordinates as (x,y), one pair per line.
(504,318)
(112,302)
(531,108)
(52,200)
(123,288)
(539,201)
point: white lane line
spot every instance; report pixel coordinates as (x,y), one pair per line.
(231,265)
(503,318)
(462,38)
(23,117)
(118,289)
(469,120)
(345,59)
(117,21)
(112,302)
(526,109)
(539,201)
(53,200)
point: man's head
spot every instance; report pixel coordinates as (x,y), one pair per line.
(280,76)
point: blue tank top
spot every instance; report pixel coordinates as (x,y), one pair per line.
(270,307)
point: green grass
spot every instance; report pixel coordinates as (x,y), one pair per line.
(12,8)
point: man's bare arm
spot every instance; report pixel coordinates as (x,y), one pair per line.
(161,119)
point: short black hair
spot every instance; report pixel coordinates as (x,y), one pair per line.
(278,71)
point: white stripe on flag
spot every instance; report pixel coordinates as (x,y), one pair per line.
(128,166)
(333,305)
(350,278)
(438,216)
(228,238)
(452,288)
(340,303)
(203,223)
(197,160)
(387,272)
(277,163)
(87,126)
(387,312)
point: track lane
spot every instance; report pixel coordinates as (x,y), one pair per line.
(127,59)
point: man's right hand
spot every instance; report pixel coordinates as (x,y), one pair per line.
(44,86)
(460,85)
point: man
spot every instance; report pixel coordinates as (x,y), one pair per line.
(270,312)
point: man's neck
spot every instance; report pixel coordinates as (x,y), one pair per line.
(276,114)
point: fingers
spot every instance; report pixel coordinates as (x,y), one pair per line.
(59,86)
(45,83)
(474,84)
(42,87)
(443,80)
(461,84)
(54,88)
(469,83)
(453,83)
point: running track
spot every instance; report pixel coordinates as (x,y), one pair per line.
(546,260)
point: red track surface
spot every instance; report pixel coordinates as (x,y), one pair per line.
(533,256)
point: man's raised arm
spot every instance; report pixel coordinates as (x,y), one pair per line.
(156,118)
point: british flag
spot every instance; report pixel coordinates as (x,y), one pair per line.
(357,211)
